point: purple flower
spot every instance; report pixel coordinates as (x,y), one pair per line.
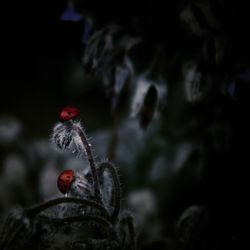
(71,15)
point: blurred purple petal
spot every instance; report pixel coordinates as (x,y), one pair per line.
(71,15)
(87,31)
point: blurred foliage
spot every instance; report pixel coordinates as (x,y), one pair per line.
(163,89)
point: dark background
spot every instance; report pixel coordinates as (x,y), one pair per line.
(39,54)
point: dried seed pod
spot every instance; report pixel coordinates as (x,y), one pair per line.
(149,106)
(149,96)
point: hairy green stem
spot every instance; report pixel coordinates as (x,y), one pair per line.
(90,158)
(33,211)
(81,218)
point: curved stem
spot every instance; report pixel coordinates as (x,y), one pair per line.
(80,218)
(90,158)
(13,235)
(109,166)
(128,219)
(33,211)
(131,230)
